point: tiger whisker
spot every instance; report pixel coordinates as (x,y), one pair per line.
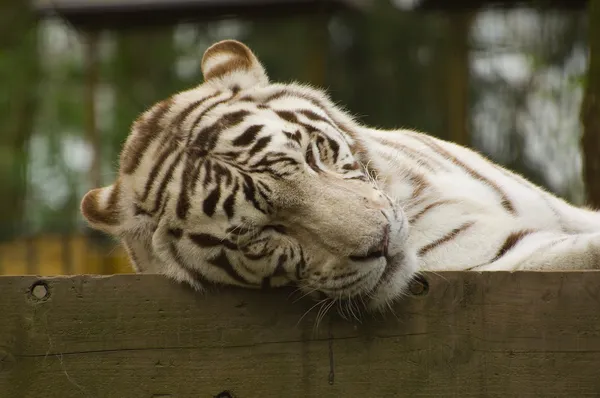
(310,309)
(306,294)
(322,312)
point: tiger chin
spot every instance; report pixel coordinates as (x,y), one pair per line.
(240,181)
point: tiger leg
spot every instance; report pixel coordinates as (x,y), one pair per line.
(543,251)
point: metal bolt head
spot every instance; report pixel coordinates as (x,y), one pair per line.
(39,291)
(418,286)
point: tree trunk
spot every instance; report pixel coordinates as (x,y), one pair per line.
(319,47)
(457,78)
(18,100)
(91,129)
(590,112)
(143,72)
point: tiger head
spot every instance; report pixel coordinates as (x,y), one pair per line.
(243,182)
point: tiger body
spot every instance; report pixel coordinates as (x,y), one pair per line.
(467,213)
(240,181)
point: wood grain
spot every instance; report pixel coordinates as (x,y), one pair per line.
(495,334)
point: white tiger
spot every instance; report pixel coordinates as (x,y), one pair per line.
(240,181)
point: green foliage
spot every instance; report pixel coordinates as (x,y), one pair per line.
(387,67)
(18,68)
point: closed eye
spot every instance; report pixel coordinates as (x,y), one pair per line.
(359,178)
(276,228)
(139,211)
(311,158)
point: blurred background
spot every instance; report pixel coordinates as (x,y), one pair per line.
(513,80)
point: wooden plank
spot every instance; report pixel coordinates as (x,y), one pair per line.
(471,335)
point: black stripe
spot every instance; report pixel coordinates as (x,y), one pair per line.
(222,174)
(259,146)
(419,157)
(210,203)
(196,176)
(156,169)
(429,207)
(183,201)
(193,273)
(208,241)
(250,193)
(288,116)
(317,102)
(205,240)
(266,282)
(202,114)
(208,136)
(256,256)
(511,241)
(261,191)
(192,169)
(147,131)
(314,116)
(190,177)
(258,249)
(137,210)
(300,265)
(248,135)
(163,184)
(164,207)
(184,113)
(222,261)
(207,173)
(175,232)
(446,238)
(352,283)
(266,161)
(504,200)
(264,186)
(229,202)
(280,270)
(333,145)
(205,142)
(345,275)
(310,158)
(277,95)
(351,166)
(296,136)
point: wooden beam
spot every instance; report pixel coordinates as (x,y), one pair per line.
(470,335)
(445,5)
(590,111)
(121,14)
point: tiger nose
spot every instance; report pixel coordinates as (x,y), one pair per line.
(385,241)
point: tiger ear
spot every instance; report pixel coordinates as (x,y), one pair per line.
(230,64)
(100,208)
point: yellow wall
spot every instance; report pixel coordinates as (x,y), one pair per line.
(87,257)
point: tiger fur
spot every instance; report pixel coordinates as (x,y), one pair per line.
(239,181)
